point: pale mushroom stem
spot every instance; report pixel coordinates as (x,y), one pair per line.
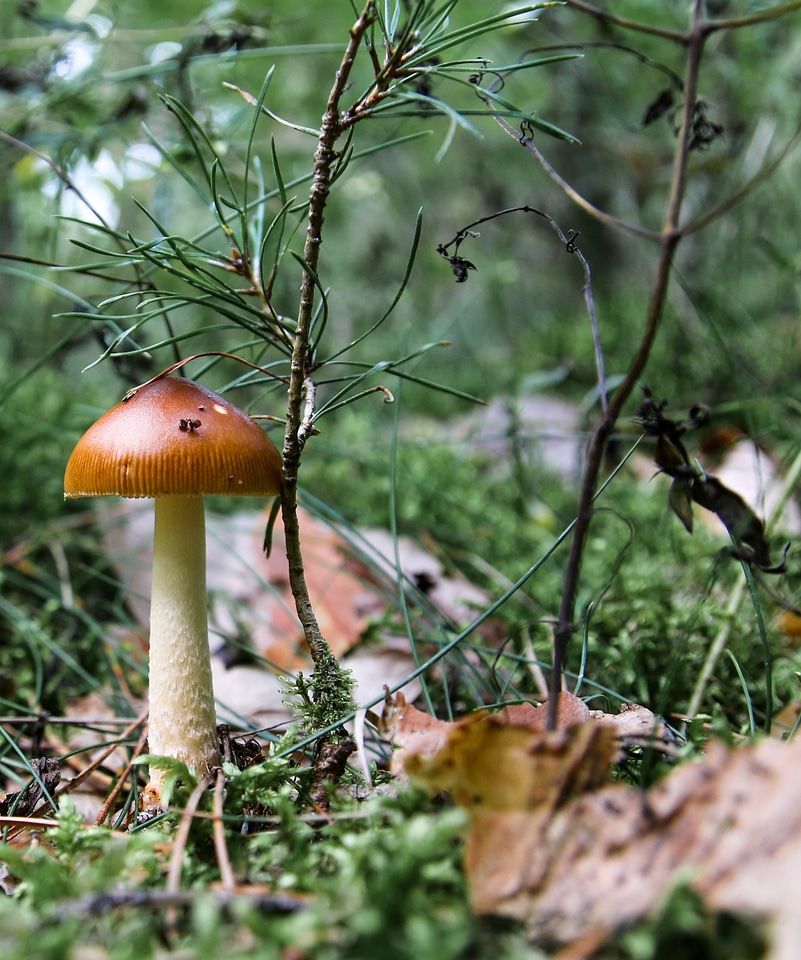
(183,722)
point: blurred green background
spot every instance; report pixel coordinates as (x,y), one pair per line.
(79,90)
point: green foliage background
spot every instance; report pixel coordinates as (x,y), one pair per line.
(85,92)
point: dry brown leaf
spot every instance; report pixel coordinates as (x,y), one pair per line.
(784,722)
(747,468)
(420,736)
(416,733)
(544,769)
(550,845)
(464,757)
(637,726)
(571,710)
(730,824)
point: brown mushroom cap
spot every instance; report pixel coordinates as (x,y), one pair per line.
(173,436)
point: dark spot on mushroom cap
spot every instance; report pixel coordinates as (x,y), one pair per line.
(135,450)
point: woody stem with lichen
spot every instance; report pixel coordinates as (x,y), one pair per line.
(330,682)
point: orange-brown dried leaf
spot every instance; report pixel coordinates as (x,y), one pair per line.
(487,762)
(730,824)
(572,710)
(553,845)
(414,732)
(487,765)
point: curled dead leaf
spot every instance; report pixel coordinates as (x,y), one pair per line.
(419,736)
(571,710)
(487,761)
(552,844)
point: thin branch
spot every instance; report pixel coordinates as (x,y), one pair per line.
(111,799)
(739,195)
(574,195)
(676,36)
(182,834)
(460,266)
(59,172)
(759,16)
(220,846)
(180,364)
(670,238)
(100,904)
(300,365)
(581,46)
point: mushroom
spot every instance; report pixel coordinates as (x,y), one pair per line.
(175,440)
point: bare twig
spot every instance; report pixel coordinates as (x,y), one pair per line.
(328,673)
(180,364)
(570,191)
(460,266)
(71,721)
(179,844)
(739,195)
(27,822)
(750,19)
(677,36)
(99,904)
(670,237)
(220,846)
(70,785)
(62,175)
(121,780)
